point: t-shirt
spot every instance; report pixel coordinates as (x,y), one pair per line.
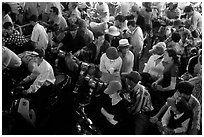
(39,35)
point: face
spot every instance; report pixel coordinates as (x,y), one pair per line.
(72,19)
(101,39)
(123,50)
(73,33)
(166,57)
(118,24)
(131,28)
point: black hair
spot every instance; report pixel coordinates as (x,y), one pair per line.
(120,18)
(6,25)
(176,37)
(6,8)
(172,53)
(129,17)
(132,23)
(33,18)
(188,9)
(185,87)
(55,10)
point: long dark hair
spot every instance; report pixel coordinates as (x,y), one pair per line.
(172,53)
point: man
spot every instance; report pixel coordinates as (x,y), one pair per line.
(195,21)
(57,18)
(140,101)
(42,73)
(184,90)
(137,41)
(9,59)
(39,35)
(72,41)
(93,51)
(13,38)
(126,55)
(102,10)
(121,23)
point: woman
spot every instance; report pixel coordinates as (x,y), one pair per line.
(110,65)
(164,87)
(115,111)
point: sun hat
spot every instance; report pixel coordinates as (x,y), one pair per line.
(113,87)
(134,76)
(112,53)
(123,43)
(112,31)
(159,48)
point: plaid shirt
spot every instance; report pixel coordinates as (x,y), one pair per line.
(15,38)
(140,100)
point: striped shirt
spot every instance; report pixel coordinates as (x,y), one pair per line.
(140,100)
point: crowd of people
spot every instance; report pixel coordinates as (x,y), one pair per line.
(149,82)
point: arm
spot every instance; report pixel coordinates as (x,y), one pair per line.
(166,117)
(147,66)
(172,85)
(102,64)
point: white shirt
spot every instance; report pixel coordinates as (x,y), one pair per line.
(110,68)
(153,68)
(128,61)
(45,76)
(39,35)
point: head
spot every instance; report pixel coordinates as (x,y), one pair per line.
(72,5)
(6,8)
(147,6)
(170,55)
(134,10)
(131,25)
(73,29)
(100,3)
(113,87)
(54,11)
(33,19)
(172,5)
(123,46)
(158,49)
(8,26)
(112,53)
(99,38)
(112,32)
(185,89)
(189,10)
(119,20)
(73,19)
(132,78)
(176,37)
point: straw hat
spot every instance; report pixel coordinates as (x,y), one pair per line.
(113,31)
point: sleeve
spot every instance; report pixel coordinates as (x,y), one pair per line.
(6,58)
(196,115)
(35,35)
(147,66)
(194,22)
(102,64)
(166,117)
(183,128)
(39,81)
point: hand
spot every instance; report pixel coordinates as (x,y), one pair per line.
(154,84)
(153,119)
(159,87)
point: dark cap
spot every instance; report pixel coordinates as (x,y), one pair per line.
(134,76)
